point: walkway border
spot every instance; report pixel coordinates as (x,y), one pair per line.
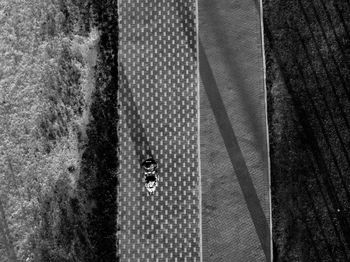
(261,14)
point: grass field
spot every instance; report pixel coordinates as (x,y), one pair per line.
(307,46)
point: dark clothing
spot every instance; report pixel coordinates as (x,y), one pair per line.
(149,165)
(151,178)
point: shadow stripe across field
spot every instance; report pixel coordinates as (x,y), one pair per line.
(315,73)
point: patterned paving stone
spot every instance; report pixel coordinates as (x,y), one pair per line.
(159,118)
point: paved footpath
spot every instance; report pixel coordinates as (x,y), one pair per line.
(218,208)
(233,133)
(159,118)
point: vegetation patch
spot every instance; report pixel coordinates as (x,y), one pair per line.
(307,54)
(58,130)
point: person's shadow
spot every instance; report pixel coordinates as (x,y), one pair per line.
(133,119)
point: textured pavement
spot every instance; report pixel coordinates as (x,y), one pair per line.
(233,133)
(218,207)
(159,118)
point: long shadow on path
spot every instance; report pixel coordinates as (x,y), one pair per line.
(233,149)
(133,119)
(223,121)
